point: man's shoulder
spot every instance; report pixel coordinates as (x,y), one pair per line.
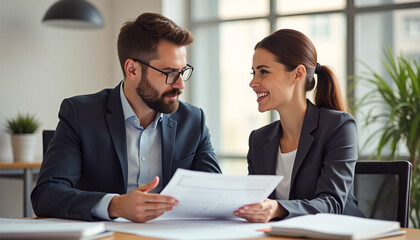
(92,97)
(186,108)
(187,113)
(92,100)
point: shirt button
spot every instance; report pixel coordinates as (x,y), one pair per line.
(135,121)
(143,158)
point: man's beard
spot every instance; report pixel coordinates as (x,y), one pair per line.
(150,96)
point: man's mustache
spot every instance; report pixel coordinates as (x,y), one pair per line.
(172,92)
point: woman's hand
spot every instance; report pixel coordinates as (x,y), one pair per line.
(261,212)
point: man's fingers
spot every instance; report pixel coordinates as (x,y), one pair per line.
(149,186)
(157,198)
(157,212)
(147,212)
(152,214)
(155,207)
(141,206)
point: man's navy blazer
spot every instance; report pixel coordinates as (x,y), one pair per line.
(87,158)
(323,171)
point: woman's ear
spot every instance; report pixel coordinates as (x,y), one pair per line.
(300,73)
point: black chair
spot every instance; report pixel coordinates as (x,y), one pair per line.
(383,189)
(47,135)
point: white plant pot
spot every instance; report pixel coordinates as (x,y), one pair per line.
(23,147)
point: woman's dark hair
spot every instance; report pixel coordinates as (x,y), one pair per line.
(140,38)
(293,48)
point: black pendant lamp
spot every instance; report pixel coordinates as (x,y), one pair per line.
(73,14)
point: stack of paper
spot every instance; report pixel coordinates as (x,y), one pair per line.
(30,228)
(335,226)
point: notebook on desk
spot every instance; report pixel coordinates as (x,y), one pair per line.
(11,228)
(334,226)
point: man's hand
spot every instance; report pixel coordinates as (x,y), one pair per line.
(261,212)
(139,205)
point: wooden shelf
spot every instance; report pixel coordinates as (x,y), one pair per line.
(36,164)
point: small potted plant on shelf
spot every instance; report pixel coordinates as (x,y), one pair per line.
(22,129)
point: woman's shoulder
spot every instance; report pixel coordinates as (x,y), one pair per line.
(327,114)
(333,121)
(316,115)
(267,130)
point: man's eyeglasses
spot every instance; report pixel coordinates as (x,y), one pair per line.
(172,77)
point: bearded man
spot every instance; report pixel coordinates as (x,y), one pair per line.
(115,150)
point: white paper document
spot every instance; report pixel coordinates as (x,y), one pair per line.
(204,195)
(191,229)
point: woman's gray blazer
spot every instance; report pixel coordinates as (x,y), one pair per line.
(323,171)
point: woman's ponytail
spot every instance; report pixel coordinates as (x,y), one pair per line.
(327,92)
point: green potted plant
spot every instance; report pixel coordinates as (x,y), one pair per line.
(22,129)
(399,92)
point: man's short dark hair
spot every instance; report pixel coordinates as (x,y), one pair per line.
(140,38)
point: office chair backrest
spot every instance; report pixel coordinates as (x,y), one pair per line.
(383,189)
(47,135)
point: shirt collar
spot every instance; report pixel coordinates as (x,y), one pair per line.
(129,112)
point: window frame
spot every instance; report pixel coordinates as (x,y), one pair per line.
(350,11)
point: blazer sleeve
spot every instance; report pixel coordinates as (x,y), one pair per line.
(337,171)
(55,194)
(250,154)
(205,158)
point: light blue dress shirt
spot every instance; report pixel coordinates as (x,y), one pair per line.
(143,152)
(144,148)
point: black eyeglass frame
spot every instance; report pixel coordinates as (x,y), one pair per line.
(188,67)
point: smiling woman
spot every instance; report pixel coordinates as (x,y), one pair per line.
(314,146)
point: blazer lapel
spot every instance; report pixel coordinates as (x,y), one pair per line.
(168,143)
(271,149)
(116,126)
(310,123)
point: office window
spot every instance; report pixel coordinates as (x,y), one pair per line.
(321,26)
(299,6)
(412,27)
(327,32)
(367,3)
(223,60)
(227,30)
(238,109)
(374,32)
(228,9)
